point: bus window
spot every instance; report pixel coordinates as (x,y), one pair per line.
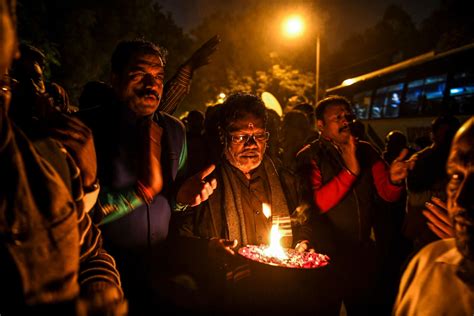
(387,101)
(433,92)
(394,96)
(379,102)
(413,97)
(462,92)
(361,102)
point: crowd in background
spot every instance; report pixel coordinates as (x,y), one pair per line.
(114,206)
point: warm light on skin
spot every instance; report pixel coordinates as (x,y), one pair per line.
(293,26)
(275,249)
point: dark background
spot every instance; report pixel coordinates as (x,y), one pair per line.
(78,37)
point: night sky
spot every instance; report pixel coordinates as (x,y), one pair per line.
(348,16)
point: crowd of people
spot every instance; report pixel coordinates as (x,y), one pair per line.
(116,207)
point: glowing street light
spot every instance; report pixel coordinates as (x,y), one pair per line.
(293,26)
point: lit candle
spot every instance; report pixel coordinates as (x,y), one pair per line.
(275,249)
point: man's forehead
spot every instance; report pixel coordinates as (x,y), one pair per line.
(146,60)
(462,151)
(336,108)
(248,122)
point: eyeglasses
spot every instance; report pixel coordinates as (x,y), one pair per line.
(244,138)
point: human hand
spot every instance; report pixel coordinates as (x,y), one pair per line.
(196,189)
(222,246)
(104,301)
(348,153)
(399,167)
(201,56)
(73,134)
(438,218)
(303,246)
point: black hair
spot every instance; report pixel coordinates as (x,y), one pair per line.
(238,105)
(126,49)
(328,101)
(448,120)
(33,53)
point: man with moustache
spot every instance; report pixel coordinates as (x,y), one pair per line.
(140,152)
(341,178)
(440,278)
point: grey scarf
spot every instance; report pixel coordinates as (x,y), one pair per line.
(233,204)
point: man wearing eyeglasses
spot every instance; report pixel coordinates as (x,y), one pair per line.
(247,180)
(342,178)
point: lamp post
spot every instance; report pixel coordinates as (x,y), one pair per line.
(293,26)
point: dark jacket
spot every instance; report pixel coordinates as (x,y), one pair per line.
(349,222)
(49,250)
(134,231)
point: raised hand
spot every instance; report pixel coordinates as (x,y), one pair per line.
(348,153)
(399,167)
(197,189)
(201,56)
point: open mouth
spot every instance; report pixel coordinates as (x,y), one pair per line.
(344,129)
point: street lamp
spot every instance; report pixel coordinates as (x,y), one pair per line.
(293,26)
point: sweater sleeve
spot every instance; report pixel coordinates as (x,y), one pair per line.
(328,195)
(175,90)
(387,191)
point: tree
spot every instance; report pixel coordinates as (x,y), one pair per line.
(79,36)
(392,39)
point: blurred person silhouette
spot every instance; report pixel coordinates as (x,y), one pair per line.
(295,129)
(214,148)
(308,109)
(428,179)
(273,127)
(197,156)
(32,95)
(395,142)
(51,256)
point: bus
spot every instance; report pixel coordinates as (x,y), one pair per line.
(407,96)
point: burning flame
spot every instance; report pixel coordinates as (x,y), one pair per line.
(267,211)
(275,249)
